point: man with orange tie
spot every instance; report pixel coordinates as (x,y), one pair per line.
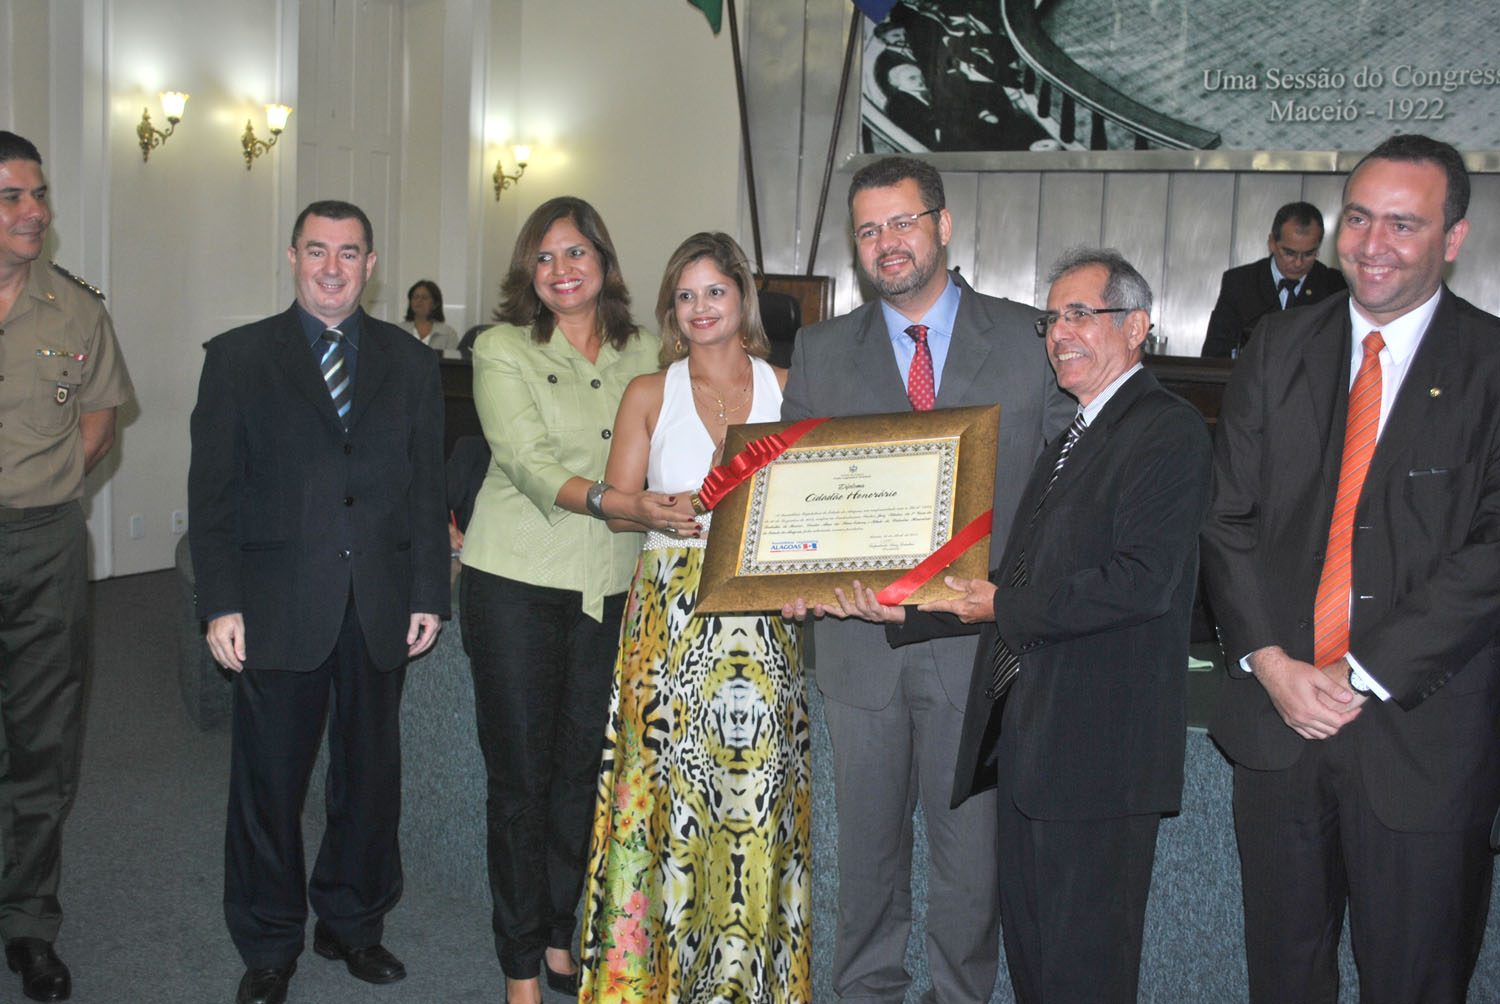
(1352,554)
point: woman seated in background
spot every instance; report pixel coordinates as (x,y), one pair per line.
(543,583)
(699,869)
(424,316)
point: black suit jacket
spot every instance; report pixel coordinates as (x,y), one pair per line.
(289,511)
(1426,554)
(1248,293)
(1095,725)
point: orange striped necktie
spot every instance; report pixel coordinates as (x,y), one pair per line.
(1331,610)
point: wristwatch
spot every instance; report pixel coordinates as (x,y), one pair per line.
(1357,683)
(593,500)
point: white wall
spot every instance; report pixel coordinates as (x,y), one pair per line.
(631,106)
(194,238)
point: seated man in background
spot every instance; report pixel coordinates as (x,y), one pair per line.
(1290,277)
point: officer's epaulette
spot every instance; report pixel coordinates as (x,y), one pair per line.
(69,275)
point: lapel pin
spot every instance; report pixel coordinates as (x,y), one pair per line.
(1435,392)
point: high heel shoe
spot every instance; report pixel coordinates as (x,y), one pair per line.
(563,983)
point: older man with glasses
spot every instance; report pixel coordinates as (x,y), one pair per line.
(1077,699)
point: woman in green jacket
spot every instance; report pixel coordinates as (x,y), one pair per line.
(543,582)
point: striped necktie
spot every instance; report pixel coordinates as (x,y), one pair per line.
(1331,608)
(1005,664)
(336,374)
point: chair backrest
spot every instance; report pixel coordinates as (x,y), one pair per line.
(466,343)
(781,314)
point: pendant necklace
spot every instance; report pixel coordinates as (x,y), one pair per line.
(722,406)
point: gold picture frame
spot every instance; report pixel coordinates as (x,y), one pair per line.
(867,497)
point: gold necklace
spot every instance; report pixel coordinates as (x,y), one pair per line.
(723,407)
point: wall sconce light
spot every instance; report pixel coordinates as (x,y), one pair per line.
(503,180)
(276,116)
(172,103)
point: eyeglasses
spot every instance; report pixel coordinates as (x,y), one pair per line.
(1074,316)
(899,225)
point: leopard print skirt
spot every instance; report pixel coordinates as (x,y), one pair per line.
(699,876)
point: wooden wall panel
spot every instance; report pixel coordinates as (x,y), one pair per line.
(772,45)
(1475,276)
(1071,213)
(1006,221)
(351,53)
(1135,225)
(1257,198)
(1198,229)
(962,192)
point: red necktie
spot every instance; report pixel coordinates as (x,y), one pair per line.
(919,386)
(1331,610)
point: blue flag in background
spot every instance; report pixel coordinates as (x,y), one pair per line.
(875,10)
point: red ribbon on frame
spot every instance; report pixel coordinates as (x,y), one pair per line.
(977,530)
(756,455)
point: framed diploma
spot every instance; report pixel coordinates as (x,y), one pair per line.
(893,500)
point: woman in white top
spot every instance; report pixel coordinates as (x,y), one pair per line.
(424,316)
(699,869)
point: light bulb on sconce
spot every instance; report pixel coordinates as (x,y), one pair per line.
(522,154)
(172,104)
(276,116)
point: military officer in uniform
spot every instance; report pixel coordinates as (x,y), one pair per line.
(61,379)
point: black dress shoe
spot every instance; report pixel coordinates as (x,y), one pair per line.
(563,983)
(43,975)
(265,986)
(372,964)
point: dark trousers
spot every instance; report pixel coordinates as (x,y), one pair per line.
(542,672)
(1309,842)
(278,720)
(1073,904)
(43,666)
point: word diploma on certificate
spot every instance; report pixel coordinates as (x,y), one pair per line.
(802,508)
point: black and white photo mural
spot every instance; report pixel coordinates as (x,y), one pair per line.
(969,75)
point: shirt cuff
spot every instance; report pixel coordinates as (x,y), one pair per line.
(1357,672)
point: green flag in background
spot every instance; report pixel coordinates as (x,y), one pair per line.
(713,10)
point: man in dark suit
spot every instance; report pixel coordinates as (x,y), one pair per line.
(1088,613)
(894,717)
(1290,277)
(1362,706)
(321,563)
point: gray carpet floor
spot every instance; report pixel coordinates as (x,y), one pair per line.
(143,850)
